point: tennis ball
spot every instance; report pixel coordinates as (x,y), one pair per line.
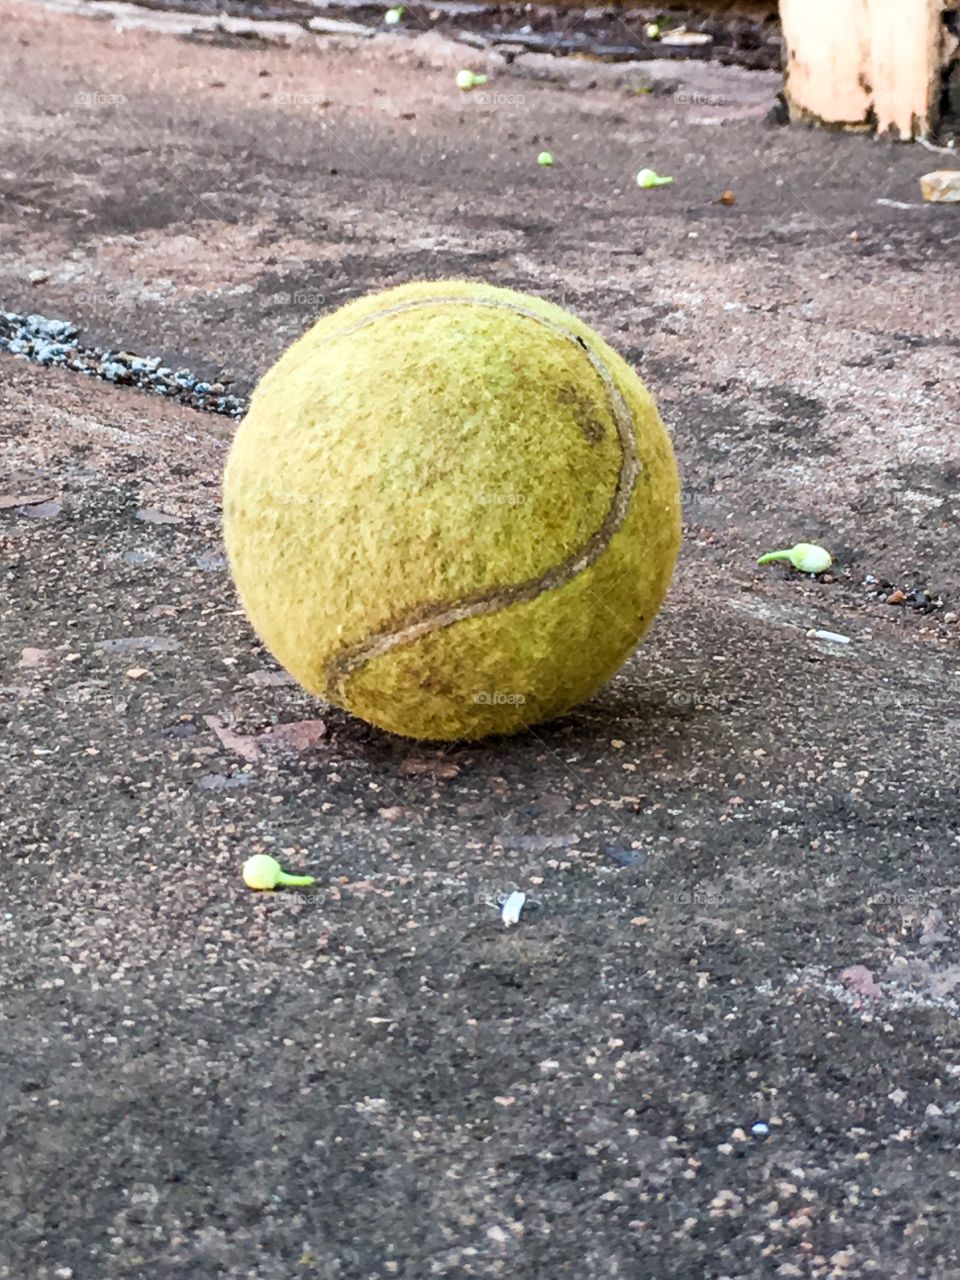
(451,509)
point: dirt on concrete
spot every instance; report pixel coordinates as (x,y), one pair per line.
(724,1039)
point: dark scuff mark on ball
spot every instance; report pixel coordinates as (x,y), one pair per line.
(588,420)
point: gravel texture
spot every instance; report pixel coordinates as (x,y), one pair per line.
(53,343)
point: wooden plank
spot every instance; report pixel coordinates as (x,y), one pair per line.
(867,64)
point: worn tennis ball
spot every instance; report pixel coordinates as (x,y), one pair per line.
(451,509)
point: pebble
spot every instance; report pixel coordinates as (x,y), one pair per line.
(33,658)
(40,510)
(623,856)
(53,343)
(941,186)
(148,515)
(50,352)
(210,561)
(725,1202)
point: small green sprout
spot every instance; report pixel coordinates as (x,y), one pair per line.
(545,159)
(469,79)
(263,872)
(393,16)
(805,556)
(652,30)
(647,178)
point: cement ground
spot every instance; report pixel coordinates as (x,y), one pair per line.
(724,1040)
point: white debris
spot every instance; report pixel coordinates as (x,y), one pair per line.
(683,37)
(833,636)
(947,151)
(512,906)
(942,186)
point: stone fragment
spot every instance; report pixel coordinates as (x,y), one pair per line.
(942,186)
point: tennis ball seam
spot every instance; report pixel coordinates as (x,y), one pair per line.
(351,659)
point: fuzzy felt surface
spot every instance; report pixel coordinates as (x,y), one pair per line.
(452,509)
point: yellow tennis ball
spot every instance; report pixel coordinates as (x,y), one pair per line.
(451,509)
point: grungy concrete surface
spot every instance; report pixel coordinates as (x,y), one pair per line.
(724,1039)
